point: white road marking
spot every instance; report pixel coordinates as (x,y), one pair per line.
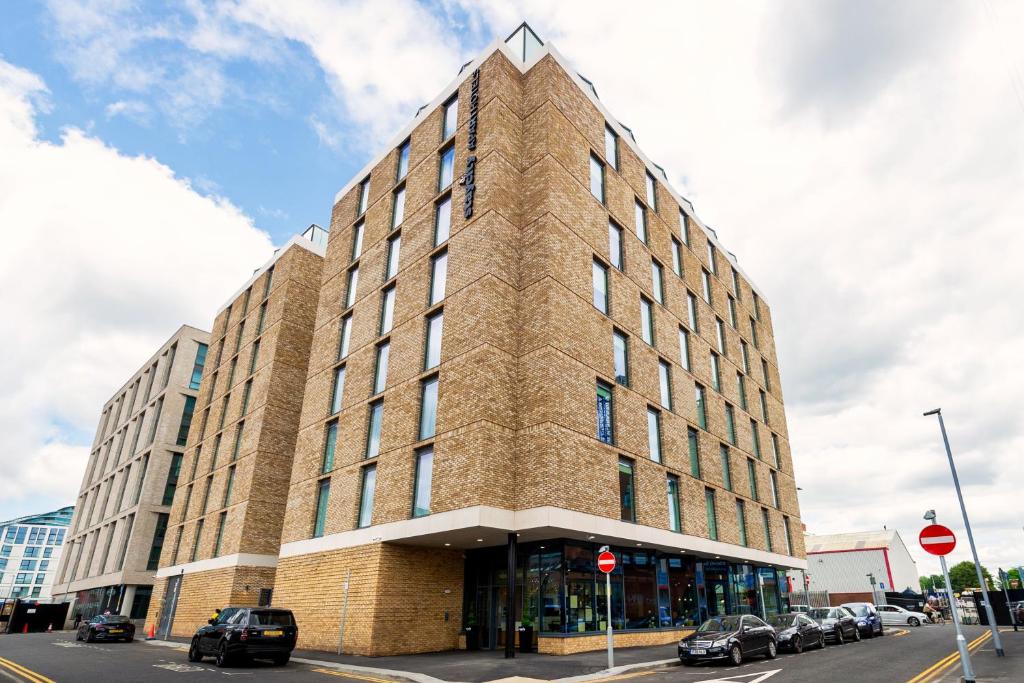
(180,668)
(745,678)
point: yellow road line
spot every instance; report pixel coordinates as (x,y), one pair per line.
(947,661)
(901,632)
(347,674)
(622,677)
(24,672)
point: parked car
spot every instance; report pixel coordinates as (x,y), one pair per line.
(796,631)
(800,608)
(897,616)
(106,627)
(728,637)
(868,621)
(837,623)
(246,632)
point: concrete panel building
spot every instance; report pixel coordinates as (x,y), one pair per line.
(841,564)
(225,523)
(125,499)
(527,346)
(30,553)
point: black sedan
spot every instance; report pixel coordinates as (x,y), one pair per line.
(731,638)
(797,631)
(106,627)
(246,632)
(838,624)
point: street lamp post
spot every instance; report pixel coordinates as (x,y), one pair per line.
(961,642)
(996,640)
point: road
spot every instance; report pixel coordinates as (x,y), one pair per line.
(912,655)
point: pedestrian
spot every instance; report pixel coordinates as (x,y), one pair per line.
(216,615)
(78,619)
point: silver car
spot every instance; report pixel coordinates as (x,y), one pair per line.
(897,616)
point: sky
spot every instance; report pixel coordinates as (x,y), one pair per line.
(864,161)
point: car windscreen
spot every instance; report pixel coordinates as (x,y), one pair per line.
(115,619)
(782,620)
(819,613)
(720,624)
(858,610)
(270,618)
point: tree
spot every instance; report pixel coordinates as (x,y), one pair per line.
(963,575)
(931,583)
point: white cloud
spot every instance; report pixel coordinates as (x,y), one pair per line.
(104,257)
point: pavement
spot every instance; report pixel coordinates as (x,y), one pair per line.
(912,655)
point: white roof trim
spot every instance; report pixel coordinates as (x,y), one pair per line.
(222,562)
(296,240)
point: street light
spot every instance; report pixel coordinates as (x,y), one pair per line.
(961,642)
(996,640)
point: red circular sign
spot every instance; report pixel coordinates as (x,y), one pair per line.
(606,562)
(937,539)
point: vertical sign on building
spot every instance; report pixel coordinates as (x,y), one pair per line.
(469,179)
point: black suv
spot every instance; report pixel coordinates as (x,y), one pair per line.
(246,632)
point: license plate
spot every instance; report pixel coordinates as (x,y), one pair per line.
(698,651)
(273,633)
(116,630)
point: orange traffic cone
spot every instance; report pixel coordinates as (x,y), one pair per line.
(24,629)
(152,632)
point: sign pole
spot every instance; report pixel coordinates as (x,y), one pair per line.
(606,563)
(1003,579)
(344,610)
(961,642)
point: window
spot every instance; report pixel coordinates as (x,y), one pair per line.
(627,504)
(646,320)
(442,220)
(723,452)
(184,425)
(254,356)
(357,239)
(446,171)
(716,378)
(709,510)
(712,261)
(451,117)
(126,536)
(701,405)
(438,276)
(764,405)
(364,196)
(398,207)
(741,389)
(339,389)
(373,431)
(605,416)
(752,478)
(366,496)
(693,442)
(350,288)
(684,228)
(652,191)
(229,486)
(735,281)
(270,272)
(691,310)
(597,178)
(387,309)
(753,333)
(344,336)
(380,372)
(394,246)
(684,348)
(745,353)
(403,159)
(330,447)
(657,282)
(428,408)
(732,312)
(654,434)
(323,494)
(158,541)
(172,478)
(757,305)
(730,423)
(741,521)
(620,346)
(615,246)
(599,276)
(677,257)
(435,326)
(789,537)
(611,147)
(238,440)
(705,282)
(640,217)
(775,450)
(720,336)
(774,481)
(422,482)
(665,382)
(238,339)
(766,374)
(220,533)
(755,438)
(197,368)
(246,393)
(675,522)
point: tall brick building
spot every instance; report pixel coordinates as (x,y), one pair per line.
(527,346)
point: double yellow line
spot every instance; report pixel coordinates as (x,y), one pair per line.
(21,671)
(347,674)
(949,660)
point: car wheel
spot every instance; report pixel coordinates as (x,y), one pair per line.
(735,655)
(194,654)
(129,639)
(839,636)
(281,660)
(222,655)
(856,635)
(798,645)
(821,641)
(772,650)
(89,637)
(78,635)
(914,621)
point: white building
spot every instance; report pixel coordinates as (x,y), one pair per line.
(30,548)
(841,563)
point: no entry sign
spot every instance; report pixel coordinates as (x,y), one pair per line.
(606,562)
(937,539)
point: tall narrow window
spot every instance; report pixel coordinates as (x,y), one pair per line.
(262,318)
(364,196)
(665,382)
(246,394)
(684,228)
(357,239)
(438,276)
(428,408)
(350,288)
(330,447)
(197,367)
(755,438)
(684,348)
(254,356)
(435,328)
(691,311)
(764,405)
(615,245)
(451,117)
(720,336)
(366,496)
(752,478)
(652,191)
(238,440)
(446,172)
(605,416)
(229,487)
(220,533)
(654,434)
(620,346)
(403,159)
(675,522)
(757,305)
(705,283)
(338,392)
(380,372)
(323,494)
(423,480)
(647,320)
(732,313)
(789,537)
(712,261)
(753,333)
(745,353)
(741,389)
(767,530)
(735,281)
(693,443)
(640,217)
(172,478)
(599,276)
(183,426)
(657,282)
(344,336)
(700,401)
(716,378)
(741,521)
(773,479)
(730,423)
(241,333)
(712,515)
(627,504)
(597,178)
(723,452)
(195,542)
(442,220)
(394,247)
(677,257)
(387,309)
(270,275)
(775,451)
(611,147)
(766,374)
(374,428)
(398,207)
(158,541)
